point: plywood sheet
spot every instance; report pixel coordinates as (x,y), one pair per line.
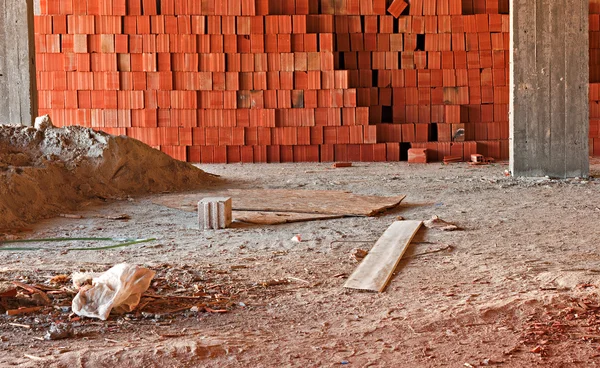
(277,218)
(375,271)
(321,202)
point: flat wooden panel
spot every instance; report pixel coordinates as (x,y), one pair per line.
(549,88)
(277,218)
(375,271)
(296,201)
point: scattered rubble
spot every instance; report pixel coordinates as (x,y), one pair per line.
(437,223)
(119,288)
(59,331)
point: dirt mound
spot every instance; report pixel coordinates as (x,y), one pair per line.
(46,170)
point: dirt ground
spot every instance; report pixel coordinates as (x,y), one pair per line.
(517,288)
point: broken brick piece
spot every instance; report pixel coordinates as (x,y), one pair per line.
(342,164)
(397,7)
(417,156)
(449,159)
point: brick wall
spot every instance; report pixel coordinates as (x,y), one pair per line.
(218,81)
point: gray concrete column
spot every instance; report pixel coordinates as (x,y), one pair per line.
(18,90)
(549,86)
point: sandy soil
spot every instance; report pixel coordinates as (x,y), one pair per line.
(518,289)
(46,170)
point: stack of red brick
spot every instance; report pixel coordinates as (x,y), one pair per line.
(218,81)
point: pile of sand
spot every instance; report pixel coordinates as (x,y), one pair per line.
(47,170)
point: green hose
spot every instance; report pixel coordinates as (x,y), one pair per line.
(124,243)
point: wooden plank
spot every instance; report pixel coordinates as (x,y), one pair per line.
(322,202)
(375,271)
(20,311)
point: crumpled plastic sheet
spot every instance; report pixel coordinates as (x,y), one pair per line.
(119,289)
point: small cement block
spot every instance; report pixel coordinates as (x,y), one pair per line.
(214,213)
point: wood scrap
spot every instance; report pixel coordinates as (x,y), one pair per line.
(7,290)
(437,223)
(70,216)
(274,282)
(33,290)
(323,202)
(19,325)
(155,296)
(20,311)
(210,310)
(299,280)
(33,357)
(122,216)
(375,271)
(60,279)
(277,218)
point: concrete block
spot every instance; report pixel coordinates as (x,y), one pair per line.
(214,213)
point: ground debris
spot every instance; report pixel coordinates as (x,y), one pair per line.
(59,279)
(123,216)
(437,223)
(20,311)
(119,288)
(37,294)
(274,282)
(7,290)
(70,216)
(59,331)
(359,254)
(576,320)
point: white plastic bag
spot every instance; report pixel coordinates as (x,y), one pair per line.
(119,288)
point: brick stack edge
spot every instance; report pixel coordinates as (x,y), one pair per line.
(226,81)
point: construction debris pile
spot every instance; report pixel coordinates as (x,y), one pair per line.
(171,291)
(47,170)
(575,319)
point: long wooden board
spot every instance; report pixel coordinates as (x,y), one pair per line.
(375,271)
(322,202)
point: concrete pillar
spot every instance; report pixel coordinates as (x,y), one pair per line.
(549,84)
(18,90)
